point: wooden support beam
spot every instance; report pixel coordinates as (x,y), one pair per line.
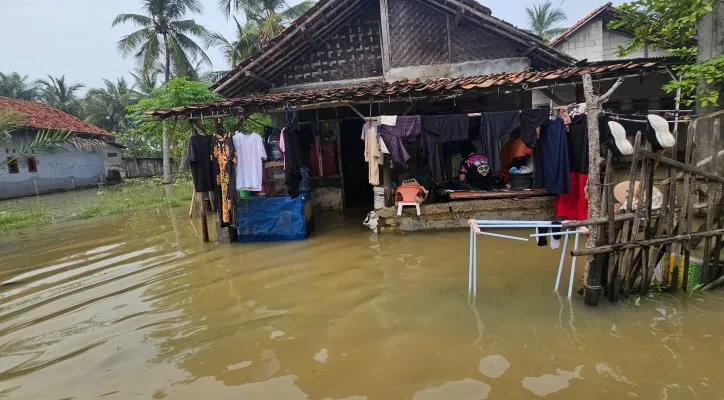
(385,39)
(556,100)
(308,35)
(258,78)
(597,221)
(458,16)
(679,165)
(642,243)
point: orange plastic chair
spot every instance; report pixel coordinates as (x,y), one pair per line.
(407,196)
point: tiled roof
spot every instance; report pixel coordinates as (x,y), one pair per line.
(593,14)
(43,116)
(406,89)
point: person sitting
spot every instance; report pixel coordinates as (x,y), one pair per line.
(474,172)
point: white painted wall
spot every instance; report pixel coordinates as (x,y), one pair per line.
(585,43)
(56,170)
(595,42)
(612,39)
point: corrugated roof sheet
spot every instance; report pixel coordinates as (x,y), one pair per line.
(405,89)
(43,116)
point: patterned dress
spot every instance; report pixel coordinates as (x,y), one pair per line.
(223,155)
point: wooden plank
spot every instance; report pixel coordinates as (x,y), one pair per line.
(685,167)
(550,95)
(597,221)
(709,273)
(258,78)
(385,39)
(648,270)
(637,221)
(626,232)
(613,281)
(639,243)
(511,194)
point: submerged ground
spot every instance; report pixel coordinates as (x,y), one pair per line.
(134,306)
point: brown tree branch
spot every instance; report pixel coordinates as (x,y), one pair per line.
(604,98)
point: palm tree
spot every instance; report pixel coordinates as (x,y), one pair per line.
(106,107)
(164,35)
(61,94)
(146,82)
(271,16)
(246,43)
(543,17)
(17,87)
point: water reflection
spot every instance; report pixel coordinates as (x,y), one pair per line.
(136,306)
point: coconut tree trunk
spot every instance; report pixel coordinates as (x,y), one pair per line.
(166,145)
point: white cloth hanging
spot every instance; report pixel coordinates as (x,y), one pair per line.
(249,155)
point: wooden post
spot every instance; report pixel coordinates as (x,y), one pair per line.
(614,283)
(204,221)
(593,110)
(636,223)
(685,202)
(709,274)
(387,181)
(624,260)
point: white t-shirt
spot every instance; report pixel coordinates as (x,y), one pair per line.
(249,155)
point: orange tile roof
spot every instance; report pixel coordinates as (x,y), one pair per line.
(43,116)
(405,89)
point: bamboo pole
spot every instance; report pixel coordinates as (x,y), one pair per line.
(626,232)
(640,243)
(637,221)
(613,282)
(709,274)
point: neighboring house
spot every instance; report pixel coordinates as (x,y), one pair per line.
(592,40)
(57,170)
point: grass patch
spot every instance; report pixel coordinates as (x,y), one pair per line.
(130,196)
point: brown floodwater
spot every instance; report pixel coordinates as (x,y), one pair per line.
(136,307)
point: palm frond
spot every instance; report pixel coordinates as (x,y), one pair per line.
(133,41)
(137,19)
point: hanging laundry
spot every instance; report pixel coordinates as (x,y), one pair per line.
(390,120)
(574,204)
(440,129)
(394,136)
(563,113)
(515,154)
(531,120)
(294,158)
(372,152)
(272,137)
(224,157)
(202,168)
(551,158)
(495,130)
(249,155)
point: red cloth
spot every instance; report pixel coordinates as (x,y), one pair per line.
(574,204)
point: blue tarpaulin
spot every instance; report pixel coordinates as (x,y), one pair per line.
(271,219)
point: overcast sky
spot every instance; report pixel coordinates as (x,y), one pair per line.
(75,38)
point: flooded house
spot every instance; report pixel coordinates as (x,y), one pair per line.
(347,62)
(62,169)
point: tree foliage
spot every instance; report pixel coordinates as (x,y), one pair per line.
(270,16)
(59,93)
(246,42)
(106,107)
(542,19)
(673,25)
(177,92)
(15,86)
(165,36)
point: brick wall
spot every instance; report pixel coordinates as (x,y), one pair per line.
(352,52)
